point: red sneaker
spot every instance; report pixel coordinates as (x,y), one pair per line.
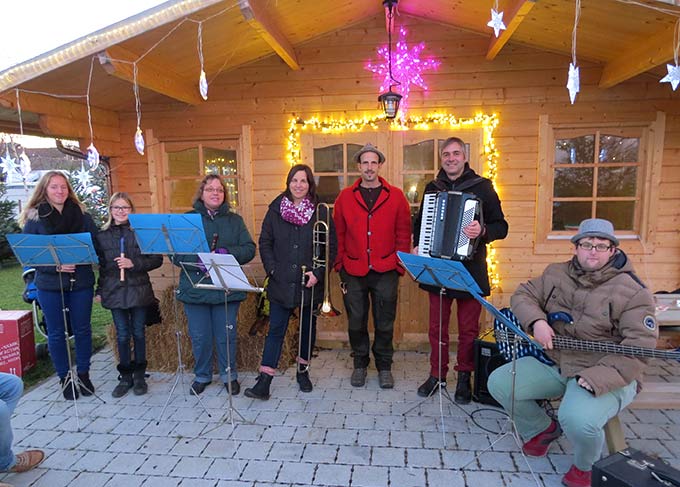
(576,477)
(539,444)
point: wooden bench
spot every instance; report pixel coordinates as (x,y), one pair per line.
(654,395)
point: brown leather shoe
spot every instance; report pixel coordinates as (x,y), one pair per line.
(27,460)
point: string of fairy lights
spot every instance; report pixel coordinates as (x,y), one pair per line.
(488,124)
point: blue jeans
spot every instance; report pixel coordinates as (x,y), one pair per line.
(130,323)
(79,305)
(278,325)
(11,388)
(581,414)
(208,324)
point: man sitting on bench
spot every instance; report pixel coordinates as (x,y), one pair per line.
(607,302)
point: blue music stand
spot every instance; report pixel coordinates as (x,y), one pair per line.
(33,250)
(450,274)
(171,234)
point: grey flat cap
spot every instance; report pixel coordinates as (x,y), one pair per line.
(596,227)
(368,148)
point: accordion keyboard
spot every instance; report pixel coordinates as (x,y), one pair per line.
(427,224)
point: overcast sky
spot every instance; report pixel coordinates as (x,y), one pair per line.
(32,27)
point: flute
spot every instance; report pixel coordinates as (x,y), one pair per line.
(122,255)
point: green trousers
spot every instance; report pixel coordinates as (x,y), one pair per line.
(581,414)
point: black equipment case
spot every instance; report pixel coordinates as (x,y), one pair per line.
(633,468)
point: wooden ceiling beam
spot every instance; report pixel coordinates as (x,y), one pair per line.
(517,13)
(254,12)
(58,107)
(648,54)
(118,61)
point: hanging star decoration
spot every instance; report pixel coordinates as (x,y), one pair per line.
(8,166)
(673,76)
(496,22)
(24,165)
(203,85)
(573,82)
(83,177)
(407,68)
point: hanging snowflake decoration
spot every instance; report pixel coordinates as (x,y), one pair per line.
(407,68)
(92,157)
(496,22)
(8,162)
(139,141)
(83,177)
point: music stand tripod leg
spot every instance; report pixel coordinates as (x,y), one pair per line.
(513,431)
(179,372)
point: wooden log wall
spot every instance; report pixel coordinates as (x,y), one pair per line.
(520,85)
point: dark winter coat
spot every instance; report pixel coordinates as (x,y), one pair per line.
(369,240)
(135,290)
(231,235)
(610,305)
(284,248)
(494,221)
(46,277)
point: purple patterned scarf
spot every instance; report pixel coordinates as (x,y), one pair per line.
(297,215)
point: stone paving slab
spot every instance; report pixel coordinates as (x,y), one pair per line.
(335,436)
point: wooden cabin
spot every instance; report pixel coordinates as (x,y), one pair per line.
(288,82)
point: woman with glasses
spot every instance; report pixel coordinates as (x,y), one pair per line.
(54,209)
(125,288)
(226,233)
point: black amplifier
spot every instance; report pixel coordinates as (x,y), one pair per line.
(633,468)
(487,359)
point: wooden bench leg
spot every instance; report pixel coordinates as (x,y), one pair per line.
(613,435)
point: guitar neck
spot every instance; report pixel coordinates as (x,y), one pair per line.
(566,343)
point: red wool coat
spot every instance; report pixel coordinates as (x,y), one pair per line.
(370,240)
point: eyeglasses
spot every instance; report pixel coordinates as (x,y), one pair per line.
(213,190)
(121,208)
(598,247)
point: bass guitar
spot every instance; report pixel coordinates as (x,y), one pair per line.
(505,340)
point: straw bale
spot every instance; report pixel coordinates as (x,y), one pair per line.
(161,341)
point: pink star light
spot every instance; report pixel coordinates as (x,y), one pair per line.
(407,68)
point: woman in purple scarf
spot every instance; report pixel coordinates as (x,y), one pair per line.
(285,246)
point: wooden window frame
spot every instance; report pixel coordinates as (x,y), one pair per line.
(242,145)
(641,241)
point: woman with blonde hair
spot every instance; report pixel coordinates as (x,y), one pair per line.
(54,209)
(125,288)
(207,318)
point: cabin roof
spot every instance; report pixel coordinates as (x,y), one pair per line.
(624,37)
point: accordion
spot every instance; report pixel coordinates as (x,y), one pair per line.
(445,214)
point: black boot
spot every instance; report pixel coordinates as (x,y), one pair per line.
(125,380)
(86,386)
(428,387)
(67,389)
(463,390)
(261,388)
(304,382)
(139,379)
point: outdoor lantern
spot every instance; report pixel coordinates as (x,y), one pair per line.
(390,100)
(390,103)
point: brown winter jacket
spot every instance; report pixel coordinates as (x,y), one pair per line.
(609,305)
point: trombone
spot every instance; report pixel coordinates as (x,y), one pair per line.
(321,250)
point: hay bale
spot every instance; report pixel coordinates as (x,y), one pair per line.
(161,341)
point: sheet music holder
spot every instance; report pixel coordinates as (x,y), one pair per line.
(34,250)
(171,234)
(447,274)
(220,272)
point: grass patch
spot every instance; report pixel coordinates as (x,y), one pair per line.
(11,289)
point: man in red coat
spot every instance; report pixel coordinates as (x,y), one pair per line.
(372,222)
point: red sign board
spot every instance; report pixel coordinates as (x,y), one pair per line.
(17,343)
